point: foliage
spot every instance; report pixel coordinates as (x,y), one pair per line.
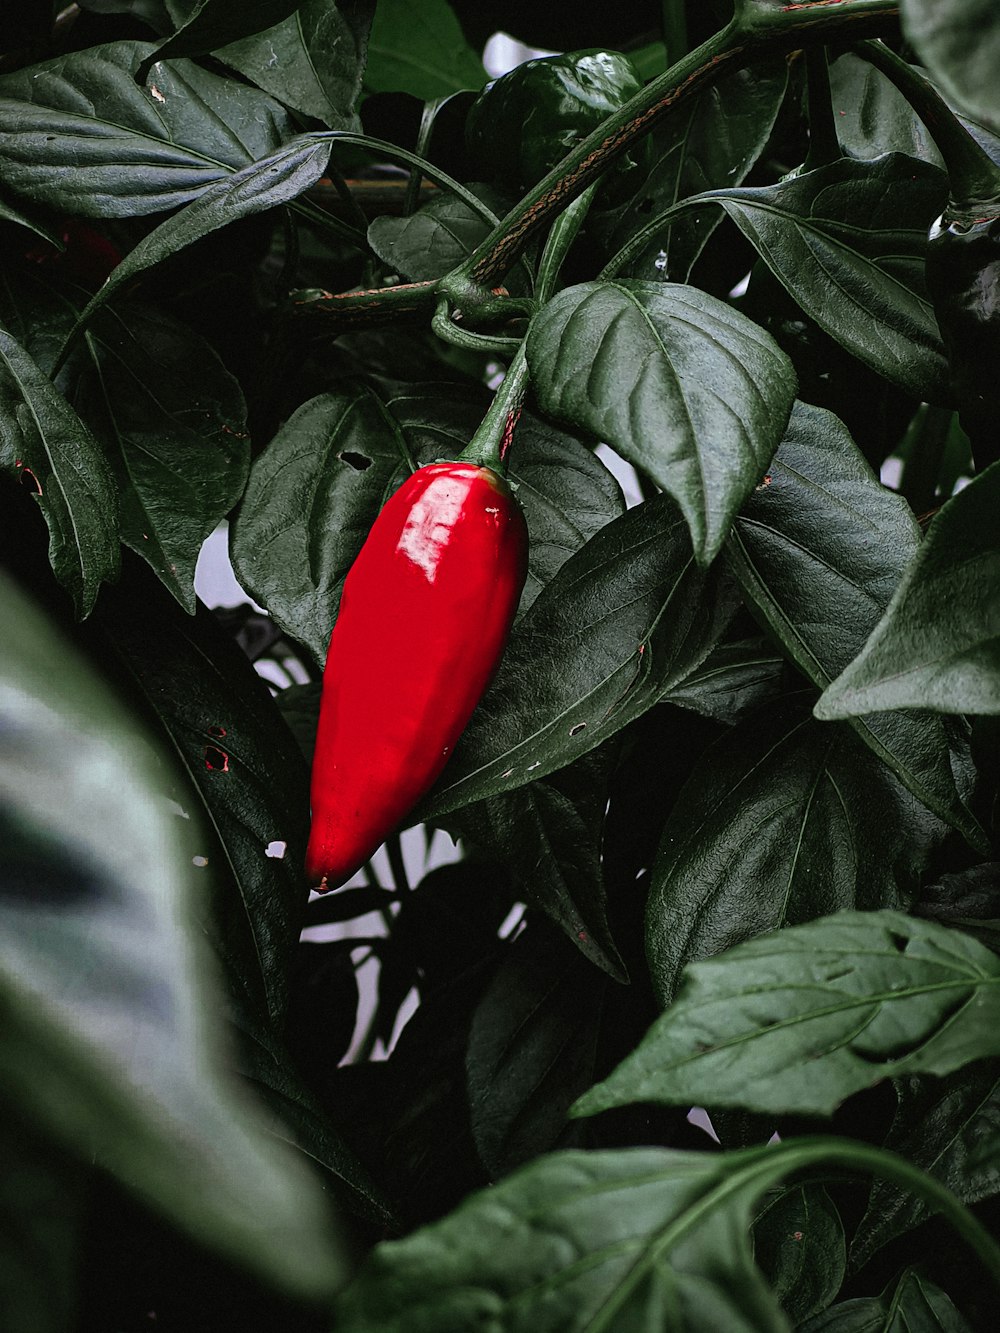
(720,845)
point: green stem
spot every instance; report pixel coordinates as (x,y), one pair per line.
(427,118)
(753,32)
(489,446)
(675,33)
(824,146)
(560,239)
(973,177)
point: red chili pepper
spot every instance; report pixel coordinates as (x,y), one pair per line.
(424,617)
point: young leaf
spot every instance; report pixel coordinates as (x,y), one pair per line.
(781,821)
(432,241)
(626,618)
(79,134)
(847,241)
(914,1305)
(422,52)
(110,1038)
(798,1240)
(873,116)
(683,386)
(639,1238)
(818,549)
(798,1021)
(45,445)
(938,642)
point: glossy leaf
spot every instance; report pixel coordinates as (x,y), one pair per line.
(79,134)
(847,241)
(315,491)
(798,1021)
(818,549)
(914,1305)
(312,61)
(532,1049)
(781,821)
(626,618)
(629,1239)
(681,385)
(45,445)
(872,115)
(111,1042)
(205,25)
(938,643)
(798,1240)
(732,681)
(432,241)
(941,1125)
(169,416)
(245,787)
(420,51)
(959,41)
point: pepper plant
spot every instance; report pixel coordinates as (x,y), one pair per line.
(674,1001)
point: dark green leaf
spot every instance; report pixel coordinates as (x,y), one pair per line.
(638,1239)
(686,388)
(710,142)
(246,782)
(432,241)
(872,115)
(732,681)
(110,1041)
(959,41)
(914,1305)
(45,445)
(937,644)
(312,61)
(818,549)
(169,416)
(23,219)
(315,491)
(41,1211)
(798,1021)
(532,1048)
(209,24)
(781,821)
(969,900)
(551,833)
(79,134)
(798,1240)
(625,619)
(847,241)
(420,50)
(941,1124)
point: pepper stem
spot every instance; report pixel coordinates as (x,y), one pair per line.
(973,177)
(489,446)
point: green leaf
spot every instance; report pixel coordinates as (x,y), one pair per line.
(420,51)
(941,1124)
(42,1205)
(432,241)
(818,549)
(313,60)
(797,1021)
(79,134)
(914,1305)
(873,116)
(274,180)
(532,1049)
(22,219)
(45,445)
(781,821)
(315,490)
(244,788)
(732,681)
(711,141)
(959,41)
(640,1238)
(169,416)
(627,617)
(798,1240)
(551,833)
(110,1042)
(687,389)
(847,241)
(937,644)
(206,25)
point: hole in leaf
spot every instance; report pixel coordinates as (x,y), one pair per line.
(355,460)
(30,482)
(580,726)
(216,760)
